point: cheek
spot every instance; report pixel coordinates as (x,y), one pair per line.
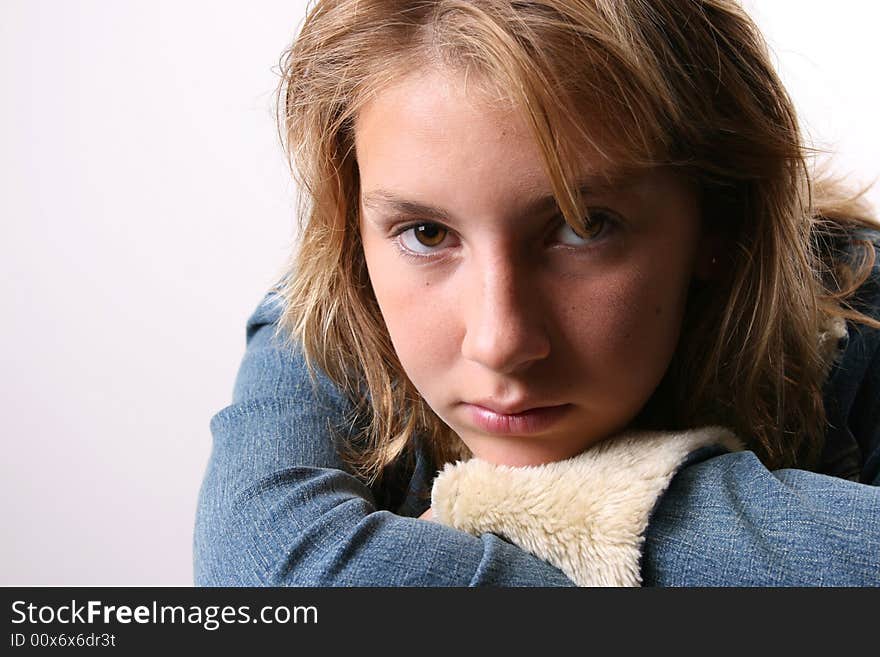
(652,298)
(626,327)
(420,322)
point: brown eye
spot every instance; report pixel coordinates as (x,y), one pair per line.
(593,227)
(426,239)
(430,234)
(594,223)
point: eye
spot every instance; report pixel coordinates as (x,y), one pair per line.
(424,238)
(596,224)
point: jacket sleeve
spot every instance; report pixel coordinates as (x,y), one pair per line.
(728,521)
(277,506)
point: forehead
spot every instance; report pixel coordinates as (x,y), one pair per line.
(437,109)
(441,126)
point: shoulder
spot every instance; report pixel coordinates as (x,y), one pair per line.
(267,312)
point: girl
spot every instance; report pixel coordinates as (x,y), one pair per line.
(559,237)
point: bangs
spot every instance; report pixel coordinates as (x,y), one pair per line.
(586,92)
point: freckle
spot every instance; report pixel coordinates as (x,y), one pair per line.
(657,310)
(626,335)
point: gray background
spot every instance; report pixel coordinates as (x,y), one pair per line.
(146,207)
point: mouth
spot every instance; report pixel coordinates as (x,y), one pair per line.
(524,422)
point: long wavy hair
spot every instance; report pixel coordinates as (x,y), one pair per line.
(686,84)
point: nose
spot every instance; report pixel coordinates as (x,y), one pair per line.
(505,329)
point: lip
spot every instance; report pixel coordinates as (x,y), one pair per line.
(528,421)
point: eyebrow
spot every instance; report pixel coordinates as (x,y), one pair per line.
(387,201)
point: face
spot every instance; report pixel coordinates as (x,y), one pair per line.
(530,340)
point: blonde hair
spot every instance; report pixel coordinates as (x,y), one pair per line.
(685,84)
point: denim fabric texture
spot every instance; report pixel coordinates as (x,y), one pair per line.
(278,507)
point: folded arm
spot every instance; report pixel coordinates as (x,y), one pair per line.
(728,521)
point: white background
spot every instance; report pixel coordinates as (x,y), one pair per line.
(145,209)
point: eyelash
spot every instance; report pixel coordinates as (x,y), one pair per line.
(609,219)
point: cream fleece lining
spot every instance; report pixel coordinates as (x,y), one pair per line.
(585,515)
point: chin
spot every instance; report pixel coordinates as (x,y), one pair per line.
(513,452)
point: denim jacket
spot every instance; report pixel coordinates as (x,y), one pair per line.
(279,507)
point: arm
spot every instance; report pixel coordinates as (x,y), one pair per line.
(277,506)
(728,521)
